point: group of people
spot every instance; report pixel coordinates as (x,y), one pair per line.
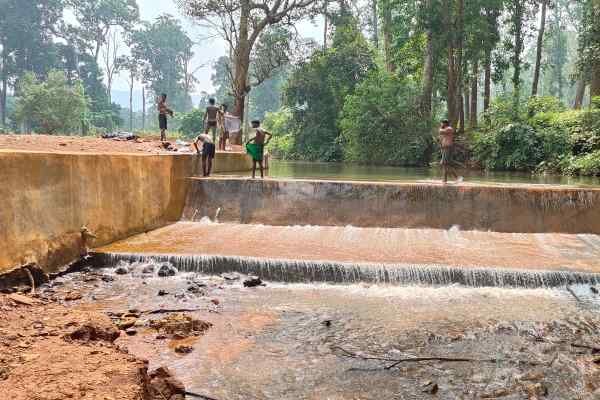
(218,119)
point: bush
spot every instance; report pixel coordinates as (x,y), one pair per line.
(282,144)
(191,123)
(514,147)
(544,104)
(381,123)
(52,106)
(588,164)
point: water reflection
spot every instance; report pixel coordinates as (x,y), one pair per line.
(342,171)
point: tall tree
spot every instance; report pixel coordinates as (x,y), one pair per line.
(111,61)
(241,24)
(130,64)
(519,16)
(539,49)
(95,18)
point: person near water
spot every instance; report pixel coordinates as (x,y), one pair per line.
(223,126)
(256,147)
(163,111)
(211,119)
(208,152)
(447,146)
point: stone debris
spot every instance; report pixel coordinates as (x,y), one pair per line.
(430,387)
(163,386)
(23,300)
(92,332)
(252,281)
(183,349)
(167,269)
(180,324)
(121,270)
(72,296)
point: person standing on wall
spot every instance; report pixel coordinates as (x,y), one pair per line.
(163,111)
(211,119)
(447,146)
(208,152)
(223,126)
(256,147)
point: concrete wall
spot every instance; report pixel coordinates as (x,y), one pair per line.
(415,205)
(47,198)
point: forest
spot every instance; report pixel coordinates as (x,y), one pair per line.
(519,79)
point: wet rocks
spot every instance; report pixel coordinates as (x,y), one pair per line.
(126,323)
(183,349)
(130,332)
(196,289)
(252,281)
(148,269)
(162,385)
(180,324)
(121,270)
(72,296)
(162,293)
(166,270)
(430,387)
(92,332)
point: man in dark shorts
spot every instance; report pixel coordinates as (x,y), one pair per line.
(223,127)
(208,152)
(447,147)
(256,147)
(163,111)
(211,119)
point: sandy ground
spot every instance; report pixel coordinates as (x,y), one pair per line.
(77,144)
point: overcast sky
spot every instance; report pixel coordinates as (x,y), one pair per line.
(207,51)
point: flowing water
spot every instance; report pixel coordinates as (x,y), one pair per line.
(342,171)
(292,341)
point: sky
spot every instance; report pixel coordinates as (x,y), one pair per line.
(207,51)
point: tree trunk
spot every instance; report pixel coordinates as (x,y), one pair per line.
(326,24)
(375,23)
(467,102)
(143,108)
(595,87)
(474,95)
(131,104)
(540,44)
(487,84)
(579,94)
(387,38)
(427,93)
(3,91)
(518,47)
(455,114)
(461,114)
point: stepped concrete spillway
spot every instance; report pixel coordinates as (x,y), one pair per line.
(350,254)
(499,208)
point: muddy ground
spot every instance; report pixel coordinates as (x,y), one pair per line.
(224,339)
(87,144)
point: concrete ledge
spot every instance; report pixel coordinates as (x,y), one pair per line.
(527,209)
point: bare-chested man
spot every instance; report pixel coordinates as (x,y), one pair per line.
(211,119)
(163,111)
(256,147)
(447,147)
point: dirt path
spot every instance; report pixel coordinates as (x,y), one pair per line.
(49,352)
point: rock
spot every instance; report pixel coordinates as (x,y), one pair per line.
(536,390)
(230,277)
(216,302)
(148,269)
(121,270)
(162,292)
(72,296)
(252,281)
(162,385)
(181,324)
(126,323)
(3,373)
(430,387)
(594,290)
(196,290)
(167,269)
(502,392)
(91,332)
(531,376)
(107,278)
(183,349)
(24,300)
(161,337)
(327,323)
(131,332)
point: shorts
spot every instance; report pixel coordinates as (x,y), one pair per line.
(208,150)
(256,151)
(446,156)
(162,122)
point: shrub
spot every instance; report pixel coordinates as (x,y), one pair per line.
(280,124)
(544,104)
(588,164)
(514,147)
(381,123)
(191,123)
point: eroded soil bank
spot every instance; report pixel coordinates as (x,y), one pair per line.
(224,340)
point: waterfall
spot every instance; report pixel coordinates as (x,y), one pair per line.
(297,271)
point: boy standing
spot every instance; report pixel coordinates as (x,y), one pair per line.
(256,147)
(447,147)
(208,153)
(163,111)
(211,118)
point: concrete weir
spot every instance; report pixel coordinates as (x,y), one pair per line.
(499,208)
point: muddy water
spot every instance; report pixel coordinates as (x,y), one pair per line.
(283,341)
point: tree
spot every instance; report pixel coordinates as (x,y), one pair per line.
(241,23)
(540,43)
(95,19)
(131,65)
(164,50)
(52,106)
(111,60)
(520,13)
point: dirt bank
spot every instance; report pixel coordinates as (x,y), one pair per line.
(77,144)
(49,352)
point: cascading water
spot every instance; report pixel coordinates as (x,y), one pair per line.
(349,273)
